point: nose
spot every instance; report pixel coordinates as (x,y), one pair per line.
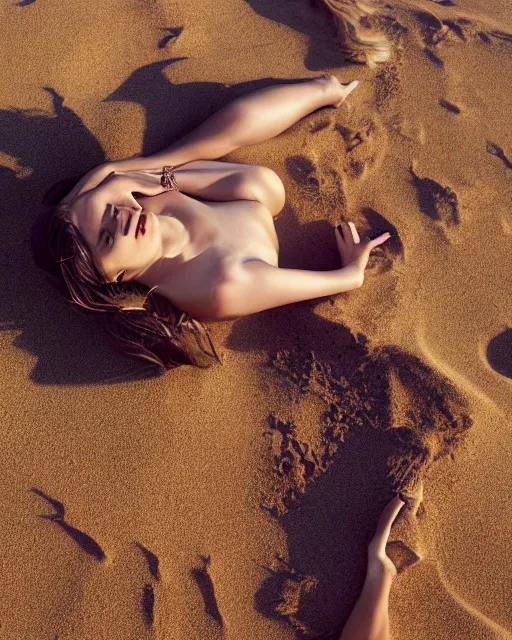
(124,221)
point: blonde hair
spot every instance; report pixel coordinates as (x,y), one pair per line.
(360,43)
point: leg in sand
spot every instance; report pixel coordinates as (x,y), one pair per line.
(369,618)
(251,119)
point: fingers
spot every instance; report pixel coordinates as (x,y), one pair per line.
(380,239)
(348,231)
(136,205)
(355,235)
(349,88)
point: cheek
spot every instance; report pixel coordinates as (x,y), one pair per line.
(134,256)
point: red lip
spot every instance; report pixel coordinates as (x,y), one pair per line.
(141,225)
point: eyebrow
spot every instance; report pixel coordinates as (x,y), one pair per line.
(102,231)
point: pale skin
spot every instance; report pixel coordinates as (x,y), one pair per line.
(369,619)
(211,247)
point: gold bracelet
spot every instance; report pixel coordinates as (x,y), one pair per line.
(168,179)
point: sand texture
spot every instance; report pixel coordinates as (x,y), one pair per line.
(236,503)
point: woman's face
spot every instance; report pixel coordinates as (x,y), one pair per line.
(111,233)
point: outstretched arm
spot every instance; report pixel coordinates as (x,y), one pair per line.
(369,619)
(257,286)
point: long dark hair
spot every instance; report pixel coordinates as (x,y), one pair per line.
(139,321)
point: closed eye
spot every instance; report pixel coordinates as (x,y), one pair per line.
(109,238)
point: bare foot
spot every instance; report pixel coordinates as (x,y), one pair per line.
(378,561)
(337,92)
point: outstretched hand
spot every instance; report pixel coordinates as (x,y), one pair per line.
(377,546)
(352,249)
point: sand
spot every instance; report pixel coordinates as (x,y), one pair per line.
(237,502)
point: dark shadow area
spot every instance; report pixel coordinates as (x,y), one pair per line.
(313,19)
(152,561)
(386,418)
(205,585)
(435,201)
(499,353)
(453,108)
(84,541)
(69,345)
(433,58)
(148,605)
(377,420)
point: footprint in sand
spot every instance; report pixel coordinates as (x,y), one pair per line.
(434,31)
(499,353)
(84,541)
(437,202)
(281,595)
(323,186)
(321,180)
(360,147)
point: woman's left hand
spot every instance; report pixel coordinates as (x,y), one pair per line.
(89,181)
(119,186)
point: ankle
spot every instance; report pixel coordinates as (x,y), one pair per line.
(330,88)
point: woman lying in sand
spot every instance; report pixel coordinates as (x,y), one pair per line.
(208,249)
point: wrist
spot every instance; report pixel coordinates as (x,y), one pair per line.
(380,573)
(357,274)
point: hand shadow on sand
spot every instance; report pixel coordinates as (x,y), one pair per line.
(70,346)
(352,425)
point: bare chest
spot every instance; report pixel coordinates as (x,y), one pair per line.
(244,231)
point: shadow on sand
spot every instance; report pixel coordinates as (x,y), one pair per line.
(47,148)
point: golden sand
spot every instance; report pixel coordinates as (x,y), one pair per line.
(237,502)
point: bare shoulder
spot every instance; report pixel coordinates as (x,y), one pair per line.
(197,286)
